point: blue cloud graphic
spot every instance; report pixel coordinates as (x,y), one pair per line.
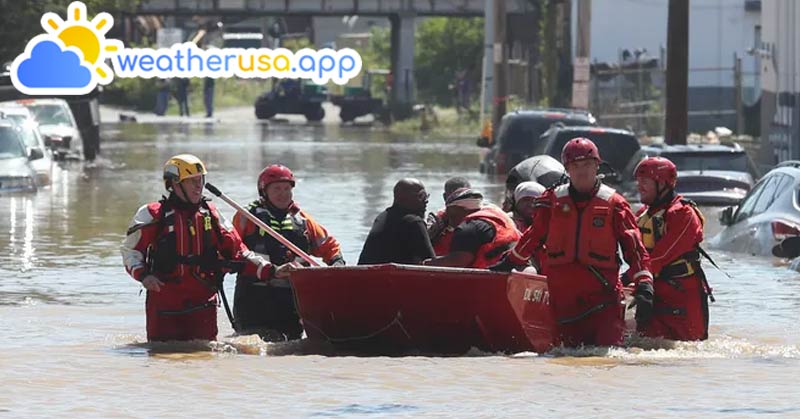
(50,67)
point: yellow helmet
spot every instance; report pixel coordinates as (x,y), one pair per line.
(181,167)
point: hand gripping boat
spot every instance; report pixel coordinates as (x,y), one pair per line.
(387,309)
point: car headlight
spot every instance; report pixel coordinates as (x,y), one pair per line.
(17,182)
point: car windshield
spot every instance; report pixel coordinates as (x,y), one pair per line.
(27,132)
(10,145)
(736,162)
(617,149)
(50,114)
(519,134)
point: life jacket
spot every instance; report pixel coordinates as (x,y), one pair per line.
(186,246)
(443,242)
(293,227)
(505,237)
(583,235)
(653,227)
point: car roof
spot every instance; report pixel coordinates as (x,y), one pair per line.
(551,113)
(592,129)
(47,101)
(695,148)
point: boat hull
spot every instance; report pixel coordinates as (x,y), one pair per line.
(398,308)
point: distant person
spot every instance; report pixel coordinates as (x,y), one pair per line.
(208,96)
(484,233)
(398,234)
(162,97)
(182,95)
(440,229)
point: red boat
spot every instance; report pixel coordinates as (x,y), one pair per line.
(399,308)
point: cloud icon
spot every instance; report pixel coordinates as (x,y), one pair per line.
(50,67)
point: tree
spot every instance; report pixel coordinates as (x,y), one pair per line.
(20,20)
(445,46)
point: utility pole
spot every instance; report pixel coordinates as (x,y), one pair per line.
(580,73)
(488,61)
(500,64)
(676,124)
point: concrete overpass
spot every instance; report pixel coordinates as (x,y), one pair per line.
(401,14)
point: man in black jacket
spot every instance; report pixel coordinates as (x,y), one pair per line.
(399,234)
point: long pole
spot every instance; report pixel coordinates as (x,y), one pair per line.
(275,235)
(488,63)
(676,124)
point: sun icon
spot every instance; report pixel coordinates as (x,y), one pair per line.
(88,37)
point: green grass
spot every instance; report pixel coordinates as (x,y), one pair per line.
(447,124)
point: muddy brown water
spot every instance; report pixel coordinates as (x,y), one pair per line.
(73,322)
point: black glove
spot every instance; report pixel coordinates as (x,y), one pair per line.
(505,265)
(337,260)
(643,299)
(626,278)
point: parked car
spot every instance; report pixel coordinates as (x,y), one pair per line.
(710,174)
(619,149)
(28,130)
(58,126)
(767,215)
(520,131)
(16,174)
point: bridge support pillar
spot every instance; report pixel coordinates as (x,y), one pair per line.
(403,27)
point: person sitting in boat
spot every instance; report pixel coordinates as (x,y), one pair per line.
(268,308)
(398,234)
(177,249)
(524,196)
(484,233)
(581,224)
(672,229)
(440,229)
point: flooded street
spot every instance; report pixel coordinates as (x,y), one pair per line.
(73,321)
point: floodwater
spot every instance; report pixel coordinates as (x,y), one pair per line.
(73,321)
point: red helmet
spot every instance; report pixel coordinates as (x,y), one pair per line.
(274,173)
(578,149)
(659,169)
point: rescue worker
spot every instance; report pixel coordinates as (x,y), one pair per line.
(484,233)
(524,196)
(179,248)
(580,224)
(672,229)
(398,234)
(440,229)
(268,308)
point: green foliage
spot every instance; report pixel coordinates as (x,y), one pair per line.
(445,46)
(20,20)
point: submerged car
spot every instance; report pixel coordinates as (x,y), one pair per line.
(767,215)
(710,174)
(16,174)
(520,132)
(619,149)
(58,126)
(28,130)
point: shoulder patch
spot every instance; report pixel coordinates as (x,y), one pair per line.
(605,192)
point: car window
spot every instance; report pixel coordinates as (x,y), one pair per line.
(768,195)
(50,114)
(736,162)
(28,135)
(749,202)
(10,144)
(521,133)
(616,149)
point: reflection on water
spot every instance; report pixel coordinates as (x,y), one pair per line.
(71,315)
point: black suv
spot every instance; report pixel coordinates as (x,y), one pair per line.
(619,149)
(519,134)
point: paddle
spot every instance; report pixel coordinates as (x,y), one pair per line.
(275,235)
